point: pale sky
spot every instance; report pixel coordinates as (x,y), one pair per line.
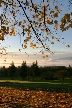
(62,54)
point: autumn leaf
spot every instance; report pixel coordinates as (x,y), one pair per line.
(46,56)
(2,38)
(20,22)
(33,98)
(42,52)
(52,42)
(25,46)
(34,45)
(55,14)
(24,21)
(27,3)
(43,56)
(4,60)
(31,10)
(52,37)
(56,26)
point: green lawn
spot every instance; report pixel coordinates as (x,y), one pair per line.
(53,86)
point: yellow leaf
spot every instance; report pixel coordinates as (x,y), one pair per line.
(55,14)
(4,60)
(23,26)
(42,52)
(46,56)
(34,45)
(24,21)
(31,10)
(59,10)
(2,38)
(25,46)
(56,22)
(48,19)
(33,16)
(43,56)
(29,26)
(34,5)
(52,42)
(27,3)
(15,14)
(36,16)
(20,22)
(52,37)
(42,7)
(56,7)
(26,29)
(56,26)
(16,6)
(31,44)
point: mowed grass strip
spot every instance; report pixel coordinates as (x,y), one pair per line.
(46,86)
(18,81)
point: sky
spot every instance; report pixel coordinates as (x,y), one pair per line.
(62,55)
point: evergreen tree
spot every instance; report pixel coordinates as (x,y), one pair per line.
(12,70)
(23,72)
(35,69)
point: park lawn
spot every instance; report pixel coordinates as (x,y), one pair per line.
(46,85)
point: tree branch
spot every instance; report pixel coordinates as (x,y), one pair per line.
(31,24)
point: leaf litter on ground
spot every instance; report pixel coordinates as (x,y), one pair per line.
(17,98)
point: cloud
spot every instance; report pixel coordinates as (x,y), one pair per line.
(18,58)
(65,58)
(60,52)
(51,60)
(63,52)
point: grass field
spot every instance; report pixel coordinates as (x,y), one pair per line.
(51,85)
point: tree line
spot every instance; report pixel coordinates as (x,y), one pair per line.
(35,72)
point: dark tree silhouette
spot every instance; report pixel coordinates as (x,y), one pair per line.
(12,70)
(35,69)
(23,71)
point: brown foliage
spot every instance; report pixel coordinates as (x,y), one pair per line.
(10,97)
